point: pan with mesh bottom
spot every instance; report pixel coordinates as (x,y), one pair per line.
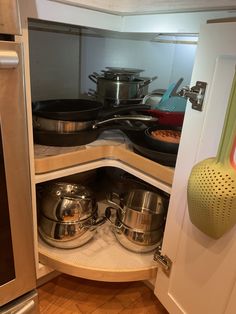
(211,191)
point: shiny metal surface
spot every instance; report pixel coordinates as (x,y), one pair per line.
(141,209)
(8,59)
(69,235)
(61,126)
(134,239)
(13,122)
(118,90)
(66,202)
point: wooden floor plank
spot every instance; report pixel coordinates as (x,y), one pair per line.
(70,295)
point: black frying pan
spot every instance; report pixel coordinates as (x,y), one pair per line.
(51,138)
(78,109)
(143,148)
(163,145)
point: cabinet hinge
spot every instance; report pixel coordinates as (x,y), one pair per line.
(195,94)
(163,260)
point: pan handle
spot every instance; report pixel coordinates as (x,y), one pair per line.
(93,78)
(125,118)
(145,83)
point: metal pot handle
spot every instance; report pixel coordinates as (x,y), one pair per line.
(110,201)
(93,78)
(98,222)
(108,215)
(145,83)
(123,118)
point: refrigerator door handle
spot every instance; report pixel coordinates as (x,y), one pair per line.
(27,308)
(8,59)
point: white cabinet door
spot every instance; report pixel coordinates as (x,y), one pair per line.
(203,270)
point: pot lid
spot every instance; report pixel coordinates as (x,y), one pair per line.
(121,74)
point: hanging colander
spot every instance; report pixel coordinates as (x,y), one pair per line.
(211,191)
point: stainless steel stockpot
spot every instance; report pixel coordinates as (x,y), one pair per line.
(135,240)
(120,90)
(140,209)
(68,235)
(67,202)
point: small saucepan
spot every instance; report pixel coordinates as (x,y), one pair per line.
(135,240)
(163,139)
(140,209)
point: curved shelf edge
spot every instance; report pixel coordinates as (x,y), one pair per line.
(106,153)
(102,259)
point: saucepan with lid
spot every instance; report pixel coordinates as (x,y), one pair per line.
(140,209)
(135,240)
(66,202)
(68,235)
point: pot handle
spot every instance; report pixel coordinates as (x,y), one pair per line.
(128,118)
(108,215)
(98,222)
(93,78)
(145,83)
(110,201)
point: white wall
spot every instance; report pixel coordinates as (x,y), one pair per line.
(60,63)
(54,65)
(168,61)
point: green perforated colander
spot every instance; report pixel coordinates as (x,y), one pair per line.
(211,191)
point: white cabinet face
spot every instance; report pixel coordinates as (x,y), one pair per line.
(203,270)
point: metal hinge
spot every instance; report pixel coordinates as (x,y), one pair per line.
(195,94)
(163,261)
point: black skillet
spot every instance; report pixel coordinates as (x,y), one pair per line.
(78,109)
(143,148)
(159,144)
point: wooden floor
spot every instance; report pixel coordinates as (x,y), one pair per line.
(66,295)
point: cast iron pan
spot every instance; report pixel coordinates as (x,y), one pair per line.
(78,109)
(144,149)
(159,144)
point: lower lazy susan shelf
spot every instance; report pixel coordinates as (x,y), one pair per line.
(102,259)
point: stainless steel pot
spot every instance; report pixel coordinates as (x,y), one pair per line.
(140,209)
(118,90)
(61,126)
(66,202)
(68,235)
(133,239)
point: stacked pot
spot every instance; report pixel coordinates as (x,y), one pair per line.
(117,86)
(68,215)
(139,219)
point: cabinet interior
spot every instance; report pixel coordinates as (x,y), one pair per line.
(70,54)
(61,59)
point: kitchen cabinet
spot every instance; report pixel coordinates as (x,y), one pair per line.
(199,263)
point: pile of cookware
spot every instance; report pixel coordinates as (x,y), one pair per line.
(68,214)
(116,86)
(138,223)
(73,122)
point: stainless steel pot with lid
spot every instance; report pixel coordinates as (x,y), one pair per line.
(140,209)
(67,202)
(68,235)
(121,74)
(117,87)
(135,240)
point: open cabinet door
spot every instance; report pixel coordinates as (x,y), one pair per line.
(203,271)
